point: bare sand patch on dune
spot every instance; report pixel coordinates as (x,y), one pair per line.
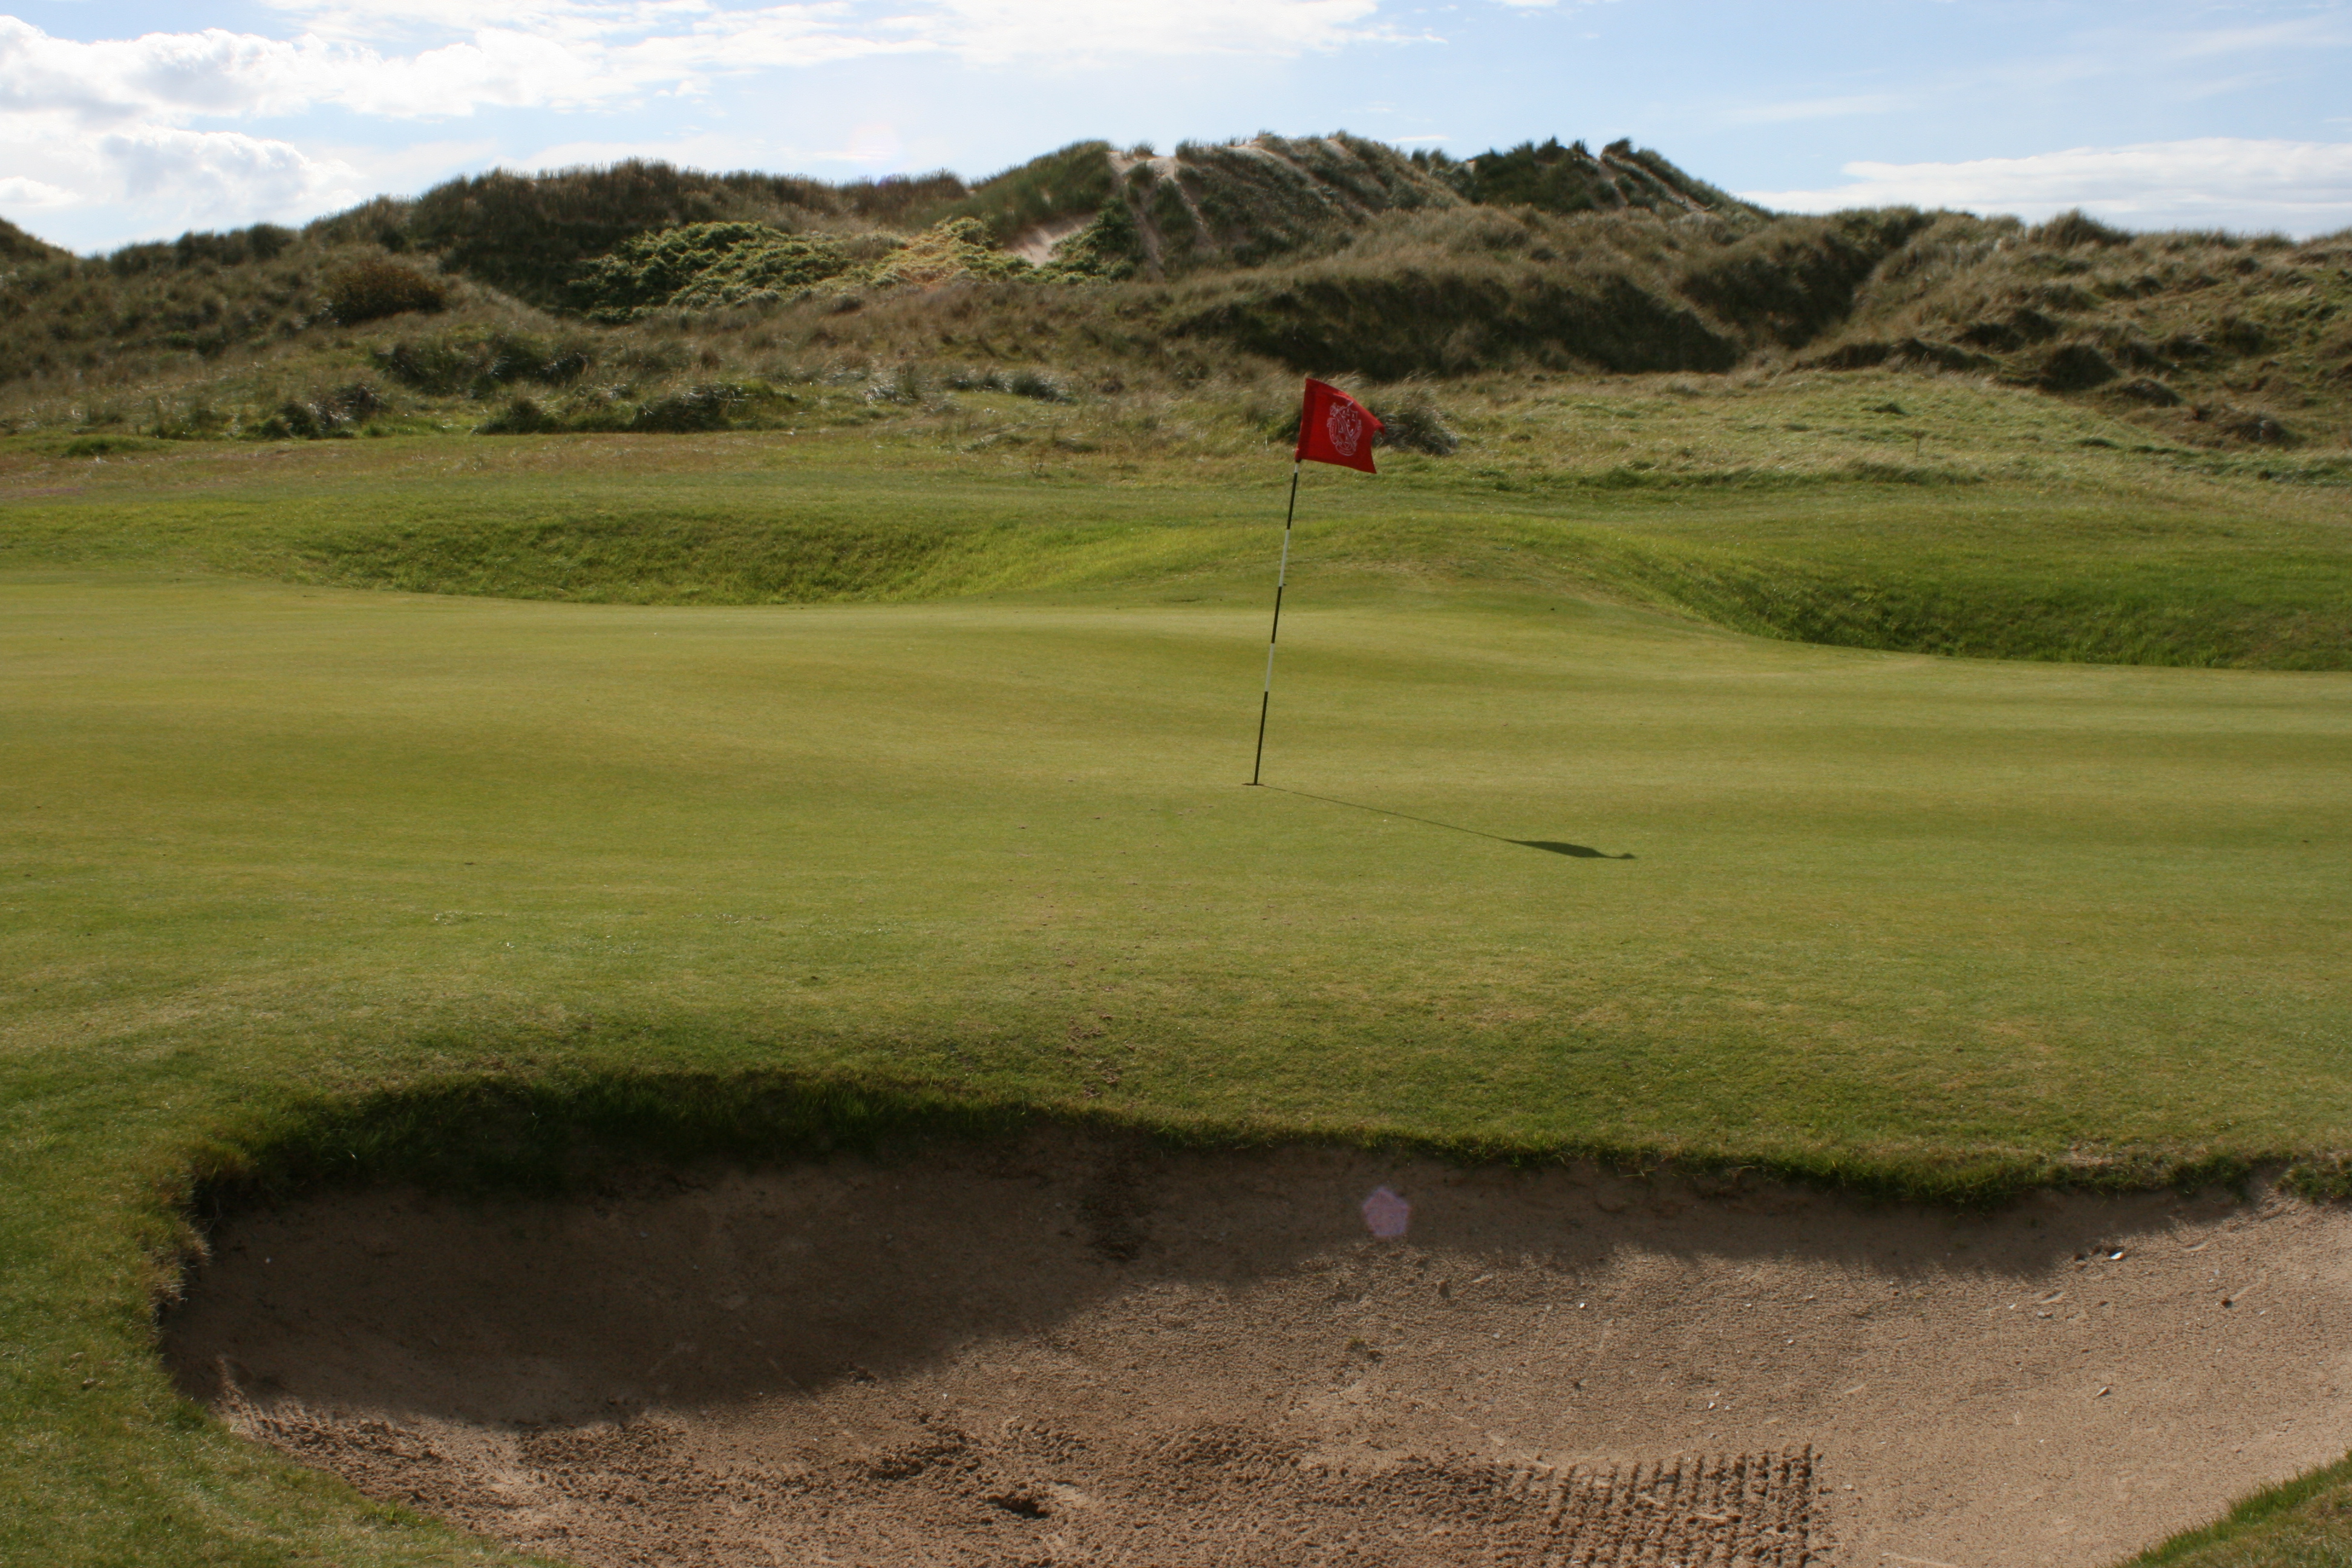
(1078,1351)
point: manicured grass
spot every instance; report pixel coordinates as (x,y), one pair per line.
(1885,911)
(272,847)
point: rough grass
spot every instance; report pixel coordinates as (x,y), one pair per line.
(1076,181)
(1327,255)
(2213,330)
(2302,1523)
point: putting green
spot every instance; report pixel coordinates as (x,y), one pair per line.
(1881,911)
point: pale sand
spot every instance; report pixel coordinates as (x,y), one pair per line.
(1093,1352)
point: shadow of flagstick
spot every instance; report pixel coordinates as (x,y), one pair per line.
(1550,845)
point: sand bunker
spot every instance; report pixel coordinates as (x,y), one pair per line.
(1061,1353)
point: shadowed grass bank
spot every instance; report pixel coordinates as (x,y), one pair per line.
(573,1128)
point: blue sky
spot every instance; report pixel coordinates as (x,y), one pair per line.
(132,119)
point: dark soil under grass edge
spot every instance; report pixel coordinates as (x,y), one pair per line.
(566,1131)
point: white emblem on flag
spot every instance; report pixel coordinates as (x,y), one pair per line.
(1347,429)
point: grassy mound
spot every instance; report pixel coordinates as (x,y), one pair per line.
(720,266)
(1812,509)
(2191,327)
(530,235)
(1573,178)
(16,244)
(1226,262)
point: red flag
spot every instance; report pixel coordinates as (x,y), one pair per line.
(1335,428)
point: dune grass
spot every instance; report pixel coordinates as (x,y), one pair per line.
(299,864)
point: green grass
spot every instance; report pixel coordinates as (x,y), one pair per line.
(302,873)
(2302,1523)
(1874,511)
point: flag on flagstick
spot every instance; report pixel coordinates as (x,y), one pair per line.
(1333,428)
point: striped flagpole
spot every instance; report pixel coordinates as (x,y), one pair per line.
(1282,572)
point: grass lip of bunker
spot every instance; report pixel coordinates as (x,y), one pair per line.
(1090,1342)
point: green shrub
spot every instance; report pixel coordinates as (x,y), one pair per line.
(780,267)
(721,266)
(528,234)
(105,445)
(2077,228)
(234,248)
(1570,179)
(713,405)
(1077,179)
(709,406)
(374,286)
(2076,367)
(1791,281)
(904,385)
(950,250)
(721,263)
(1023,383)
(1112,246)
(1412,422)
(522,416)
(476,361)
(330,414)
(1450,317)
(1037,385)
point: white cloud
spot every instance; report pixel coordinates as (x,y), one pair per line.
(212,72)
(2302,32)
(115,128)
(579,54)
(1083,31)
(700,35)
(165,179)
(176,76)
(1817,108)
(18,192)
(2302,187)
(216,176)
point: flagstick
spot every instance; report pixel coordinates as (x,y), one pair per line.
(1280,572)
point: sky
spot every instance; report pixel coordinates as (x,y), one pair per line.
(134,119)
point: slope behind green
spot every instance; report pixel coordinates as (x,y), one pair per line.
(1916,514)
(16,244)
